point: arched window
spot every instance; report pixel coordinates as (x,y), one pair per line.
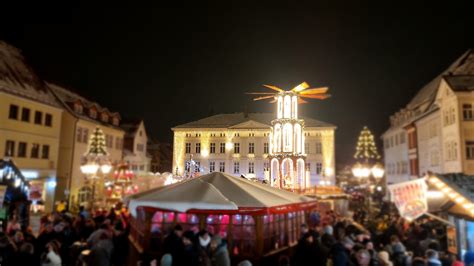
(275,170)
(277,138)
(287,107)
(84,195)
(287,168)
(298,138)
(280,107)
(288,138)
(300,173)
(294,105)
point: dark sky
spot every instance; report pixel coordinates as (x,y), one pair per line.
(174,64)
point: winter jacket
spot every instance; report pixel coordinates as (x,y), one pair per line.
(220,257)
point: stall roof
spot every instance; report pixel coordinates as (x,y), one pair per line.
(215,191)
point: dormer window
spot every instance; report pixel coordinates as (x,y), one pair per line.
(78,108)
(115,121)
(104,117)
(93,113)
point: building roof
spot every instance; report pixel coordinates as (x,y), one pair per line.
(130,125)
(459,75)
(460,183)
(217,191)
(67,98)
(229,120)
(19,79)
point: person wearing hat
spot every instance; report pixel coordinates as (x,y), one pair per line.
(173,244)
(219,252)
(341,252)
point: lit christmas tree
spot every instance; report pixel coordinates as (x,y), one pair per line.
(366,148)
(97,144)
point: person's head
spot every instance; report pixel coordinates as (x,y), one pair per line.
(328,230)
(308,238)
(204,238)
(369,245)
(347,243)
(188,237)
(27,248)
(384,258)
(431,254)
(18,237)
(52,246)
(245,263)
(363,257)
(59,227)
(216,241)
(394,239)
(166,260)
(178,230)
(304,228)
(49,227)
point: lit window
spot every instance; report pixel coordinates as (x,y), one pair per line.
(85,135)
(236,167)
(13,112)
(306,147)
(212,167)
(79,134)
(318,148)
(222,167)
(265,147)
(470,150)
(319,168)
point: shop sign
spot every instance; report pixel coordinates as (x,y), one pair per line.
(410,198)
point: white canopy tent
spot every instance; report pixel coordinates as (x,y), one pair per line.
(214,191)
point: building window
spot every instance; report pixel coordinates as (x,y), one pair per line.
(251,134)
(434,157)
(265,147)
(319,168)
(251,168)
(221,167)
(212,167)
(467,112)
(197,167)
(308,167)
(451,150)
(79,134)
(237,135)
(45,152)
(22,149)
(10,148)
(38,117)
(85,135)
(318,148)
(48,120)
(396,139)
(198,147)
(109,141)
(25,114)
(188,148)
(252,148)
(35,150)
(115,121)
(140,147)
(118,143)
(236,167)
(306,147)
(213,148)
(402,138)
(222,148)
(13,114)
(78,108)
(470,150)
(266,166)
(93,113)
(237,148)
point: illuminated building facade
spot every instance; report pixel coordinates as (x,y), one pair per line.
(239,144)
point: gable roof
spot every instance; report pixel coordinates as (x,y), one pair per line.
(19,79)
(131,125)
(229,120)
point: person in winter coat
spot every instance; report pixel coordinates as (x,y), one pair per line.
(219,252)
(308,250)
(51,257)
(101,252)
(341,252)
(432,258)
(173,244)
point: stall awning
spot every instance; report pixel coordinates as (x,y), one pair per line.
(216,191)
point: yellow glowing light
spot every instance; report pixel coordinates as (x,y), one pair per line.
(446,190)
(204,153)
(452,195)
(328,171)
(433,180)
(229,145)
(459,200)
(468,205)
(251,155)
(439,185)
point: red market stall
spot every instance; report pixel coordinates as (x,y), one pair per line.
(255,219)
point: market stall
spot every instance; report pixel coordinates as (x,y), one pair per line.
(255,219)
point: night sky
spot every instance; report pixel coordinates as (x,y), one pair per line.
(175,64)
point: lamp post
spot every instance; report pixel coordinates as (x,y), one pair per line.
(363,172)
(95,161)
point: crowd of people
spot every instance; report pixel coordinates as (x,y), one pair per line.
(388,240)
(65,239)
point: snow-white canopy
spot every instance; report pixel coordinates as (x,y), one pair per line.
(214,191)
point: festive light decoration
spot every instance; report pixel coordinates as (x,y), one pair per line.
(453,195)
(366,148)
(121,184)
(287,156)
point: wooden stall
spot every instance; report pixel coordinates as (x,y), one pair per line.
(256,220)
